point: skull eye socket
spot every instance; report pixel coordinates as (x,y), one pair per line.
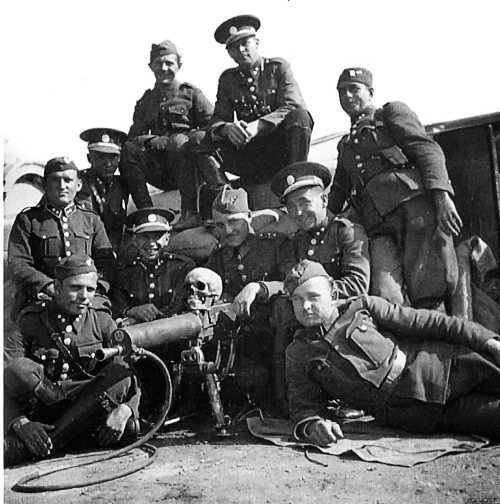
(200,285)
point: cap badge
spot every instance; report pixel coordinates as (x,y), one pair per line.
(352,73)
(233,30)
(88,262)
(290,180)
(66,160)
(151,218)
(105,138)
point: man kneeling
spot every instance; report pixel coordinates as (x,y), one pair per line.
(54,388)
(418,370)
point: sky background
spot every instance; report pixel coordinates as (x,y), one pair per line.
(68,66)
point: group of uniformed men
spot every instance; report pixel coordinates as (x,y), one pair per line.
(395,354)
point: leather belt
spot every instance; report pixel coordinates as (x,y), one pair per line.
(398,364)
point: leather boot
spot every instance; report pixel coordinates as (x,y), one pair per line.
(15,452)
(210,170)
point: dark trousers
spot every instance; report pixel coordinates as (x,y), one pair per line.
(268,153)
(167,169)
(412,263)
(472,406)
(74,406)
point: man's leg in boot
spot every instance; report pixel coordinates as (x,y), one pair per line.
(215,179)
(298,125)
(187,182)
(99,397)
(133,162)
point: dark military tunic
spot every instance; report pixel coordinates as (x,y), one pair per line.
(387,168)
(342,248)
(270,93)
(42,235)
(377,353)
(178,112)
(158,283)
(164,110)
(387,159)
(108,198)
(82,336)
(267,92)
(264,258)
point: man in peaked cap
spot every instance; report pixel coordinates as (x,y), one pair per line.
(272,127)
(394,177)
(102,190)
(333,241)
(412,369)
(252,267)
(150,286)
(56,228)
(165,119)
(54,388)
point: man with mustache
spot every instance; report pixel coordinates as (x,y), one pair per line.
(165,119)
(56,228)
(151,285)
(394,177)
(102,190)
(54,388)
(260,122)
(412,369)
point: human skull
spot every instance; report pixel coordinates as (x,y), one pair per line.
(202,287)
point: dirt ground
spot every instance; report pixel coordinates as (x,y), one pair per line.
(194,466)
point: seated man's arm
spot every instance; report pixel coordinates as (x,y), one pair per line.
(102,253)
(21,260)
(355,262)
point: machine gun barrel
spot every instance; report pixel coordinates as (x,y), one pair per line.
(158,332)
(103,354)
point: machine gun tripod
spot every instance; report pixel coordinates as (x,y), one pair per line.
(217,324)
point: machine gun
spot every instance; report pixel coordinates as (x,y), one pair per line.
(216,323)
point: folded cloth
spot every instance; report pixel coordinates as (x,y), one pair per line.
(373,443)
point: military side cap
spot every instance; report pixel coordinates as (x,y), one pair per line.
(299,175)
(237,28)
(301,272)
(58,164)
(150,219)
(106,140)
(355,74)
(76,264)
(231,203)
(163,49)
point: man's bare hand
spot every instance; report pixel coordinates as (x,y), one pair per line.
(493,348)
(252,129)
(145,313)
(243,301)
(323,432)
(158,143)
(48,292)
(35,436)
(236,133)
(448,220)
(112,430)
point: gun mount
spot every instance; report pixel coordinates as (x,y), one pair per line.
(195,327)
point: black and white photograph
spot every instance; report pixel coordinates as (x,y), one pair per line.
(251,252)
